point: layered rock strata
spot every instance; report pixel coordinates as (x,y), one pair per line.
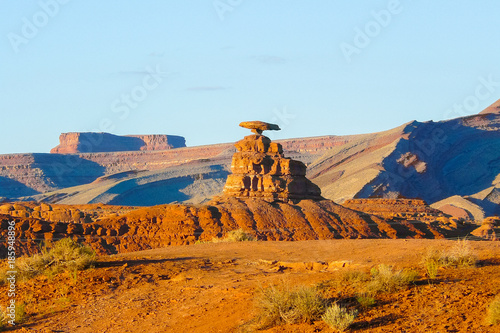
(72,143)
(166,225)
(260,169)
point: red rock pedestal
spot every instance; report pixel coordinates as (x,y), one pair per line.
(259,169)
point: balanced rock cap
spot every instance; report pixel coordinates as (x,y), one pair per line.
(258,126)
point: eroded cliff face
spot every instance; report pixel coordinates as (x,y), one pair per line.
(73,143)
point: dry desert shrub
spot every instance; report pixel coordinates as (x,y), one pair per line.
(365,301)
(384,279)
(460,255)
(2,320)
(63,255)
(354,277)
(493,316)
(339,318)
(238,235)
(432,262)
(278,305)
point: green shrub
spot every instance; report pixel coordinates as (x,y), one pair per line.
(62,255)
(493,316)
(20,313)
(277,305)
(383,279)
(365,301)
(339,318)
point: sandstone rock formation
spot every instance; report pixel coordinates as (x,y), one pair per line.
(72,143)
(260,169)
(387,208)
(175,224)
(489,229)
(258,127)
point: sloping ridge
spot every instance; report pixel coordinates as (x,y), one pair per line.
(431,161)
(493,108)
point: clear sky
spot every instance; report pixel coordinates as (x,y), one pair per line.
(197,68)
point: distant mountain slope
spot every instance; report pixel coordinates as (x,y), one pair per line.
(493,108)
(190,174)
(454,164)
(431,161)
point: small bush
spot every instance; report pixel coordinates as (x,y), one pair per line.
(238,235)
(277,305)
(385,280)
(354,277)
(493,316)
(20,313)
(339,318)
(62,255)
(365,301)
(432,261)
(460,255)
(2,319)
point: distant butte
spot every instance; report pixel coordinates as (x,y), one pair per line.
(91,142)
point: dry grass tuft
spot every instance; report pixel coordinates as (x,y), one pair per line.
(384,279)
(339,318)
(493,316)
(2,320)
(238,235)
(278,305)
(460,255)
(63,255)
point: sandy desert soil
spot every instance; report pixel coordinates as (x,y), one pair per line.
(211,288)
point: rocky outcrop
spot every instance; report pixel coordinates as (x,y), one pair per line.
(489,229)
(175,224)
(403,208)
(73,143)
(260,169)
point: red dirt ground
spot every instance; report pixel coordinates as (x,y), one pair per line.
(211,288)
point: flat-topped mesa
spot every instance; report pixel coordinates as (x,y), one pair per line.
(259,169)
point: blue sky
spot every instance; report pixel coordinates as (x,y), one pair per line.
(197,68)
